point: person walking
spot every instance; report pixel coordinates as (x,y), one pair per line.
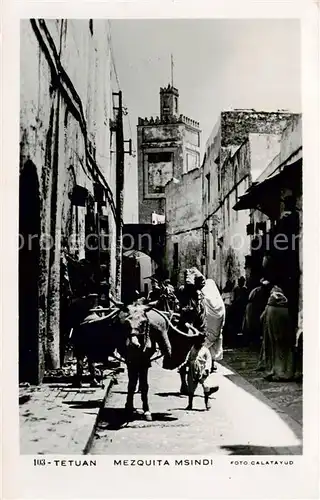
(199,363)
(215,312)
(193,314)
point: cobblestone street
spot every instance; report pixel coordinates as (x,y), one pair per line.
(287,396)
(241,421)
(57,418)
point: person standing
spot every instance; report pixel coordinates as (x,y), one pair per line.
(240,299)
(227,295)
(170,297)
(155,293)
(257,302)
(279,338)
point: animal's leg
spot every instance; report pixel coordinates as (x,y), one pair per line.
(183,377)
(92,370)
(192,385)
(78,377)
(206,400)
(132,384)
(143,378)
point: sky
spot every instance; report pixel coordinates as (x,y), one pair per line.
(218,65)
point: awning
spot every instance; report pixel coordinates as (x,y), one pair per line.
(264,195)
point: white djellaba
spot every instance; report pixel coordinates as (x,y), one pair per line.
(216,312)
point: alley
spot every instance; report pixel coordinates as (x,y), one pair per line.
(196,210)
(240,422)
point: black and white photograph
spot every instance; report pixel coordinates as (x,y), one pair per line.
(160,237)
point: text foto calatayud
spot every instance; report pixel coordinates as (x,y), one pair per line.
(160,463)
(261,462)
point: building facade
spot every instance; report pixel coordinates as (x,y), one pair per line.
(67,176)
(275,204)
(241,144)
(168,147)
(183,224)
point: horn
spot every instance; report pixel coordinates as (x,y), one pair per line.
(191,327)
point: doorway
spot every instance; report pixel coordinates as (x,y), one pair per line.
(29,261)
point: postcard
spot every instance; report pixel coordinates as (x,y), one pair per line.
(159,243)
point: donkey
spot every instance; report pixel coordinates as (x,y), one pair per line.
(146,330)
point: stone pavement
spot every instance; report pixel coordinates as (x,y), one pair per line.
(241,421)
(56,418)
(286,395)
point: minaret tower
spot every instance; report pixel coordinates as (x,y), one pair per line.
(169,103)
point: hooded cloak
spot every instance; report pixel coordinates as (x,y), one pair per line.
(215,312)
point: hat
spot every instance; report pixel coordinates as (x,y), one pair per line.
(194,277)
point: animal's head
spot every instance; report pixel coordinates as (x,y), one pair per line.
(136,320)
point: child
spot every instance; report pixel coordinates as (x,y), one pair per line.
(199,366)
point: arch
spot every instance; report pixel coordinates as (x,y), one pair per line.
(145,238)
(137,268)
(29,265)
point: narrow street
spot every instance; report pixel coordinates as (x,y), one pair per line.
(241,421)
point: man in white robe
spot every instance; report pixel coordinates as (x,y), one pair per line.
(215,313)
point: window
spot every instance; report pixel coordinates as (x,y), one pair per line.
(205,240)
(228,211)
(176,105)
(158,171)
(208,176)
(219,183)
(214,249)
(104,243)
(192,161)
(175,255)
(236,187)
